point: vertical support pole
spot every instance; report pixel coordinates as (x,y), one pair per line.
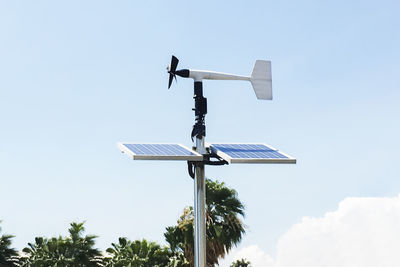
(199,211)
(199,131)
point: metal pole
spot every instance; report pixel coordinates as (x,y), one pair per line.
(199,209)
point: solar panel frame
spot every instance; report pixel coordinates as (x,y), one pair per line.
(191,156)
(288,160)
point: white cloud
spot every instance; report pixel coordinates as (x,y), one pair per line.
(255,255)
(362,232)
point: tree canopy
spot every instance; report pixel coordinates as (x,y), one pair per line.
(73,250)
(8,255)
(224,229)
(241,263)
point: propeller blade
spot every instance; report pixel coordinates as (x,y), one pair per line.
(171,77)
(172,69)
(174,64)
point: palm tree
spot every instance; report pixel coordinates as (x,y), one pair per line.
(138,253)
(40,254)
(241,263)
(80,248)
(8,256)
(75,250)
(224,227)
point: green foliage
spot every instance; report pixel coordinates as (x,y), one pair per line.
(8,255)
(177,259)
(241,263)
(141,254)
(224,227)
(137,254)
(75,250)
(224,230)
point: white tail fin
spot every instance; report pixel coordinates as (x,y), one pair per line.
(261,79)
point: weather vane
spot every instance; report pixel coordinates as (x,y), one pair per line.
(210,153)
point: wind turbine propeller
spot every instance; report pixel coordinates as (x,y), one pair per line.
(172,69)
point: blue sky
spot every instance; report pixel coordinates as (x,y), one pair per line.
(78,77)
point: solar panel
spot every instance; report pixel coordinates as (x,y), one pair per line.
(159,152)
(250,153)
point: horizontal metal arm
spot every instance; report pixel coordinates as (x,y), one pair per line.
(199,75)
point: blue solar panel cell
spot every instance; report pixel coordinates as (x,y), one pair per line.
(159,149)
(159,152)
(250,153)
